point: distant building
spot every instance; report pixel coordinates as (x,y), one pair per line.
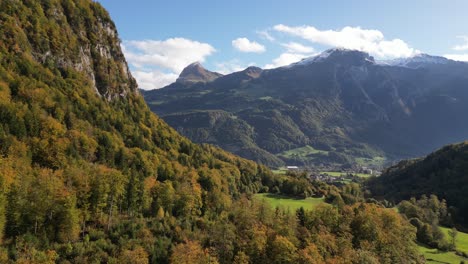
(292,167)
(323,177)
(366,170)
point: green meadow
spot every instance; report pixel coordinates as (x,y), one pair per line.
(302,152)
(288,202)
(434,256)
(461,240)
(281,170)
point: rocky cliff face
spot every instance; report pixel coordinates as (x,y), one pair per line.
(106,50)
(84,39)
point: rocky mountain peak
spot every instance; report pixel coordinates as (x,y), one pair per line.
(253,71)
(195,72)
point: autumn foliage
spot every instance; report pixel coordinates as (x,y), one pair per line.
(89,175)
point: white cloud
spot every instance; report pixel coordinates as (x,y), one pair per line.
(173,53)
(463,46)
(457,57)
(294,47)
(231,66)
(294,53)
(266,35)
(285,59)
(371,41)
(153,79)
(245,45)
(156,63)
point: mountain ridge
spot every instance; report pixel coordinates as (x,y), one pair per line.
(341,101)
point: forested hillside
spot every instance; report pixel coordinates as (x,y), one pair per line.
(89,175)
(442,173)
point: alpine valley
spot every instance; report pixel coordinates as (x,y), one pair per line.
(89,174)
(341,107)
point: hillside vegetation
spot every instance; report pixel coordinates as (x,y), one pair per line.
(442,173)
(89,175)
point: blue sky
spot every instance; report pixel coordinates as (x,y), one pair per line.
(161,37)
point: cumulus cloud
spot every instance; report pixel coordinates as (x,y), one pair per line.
(294,47)
(368,40)
(265,34)
(156,63)
(463,46)
(231,66)
(457,57)
(173,53)
(245,45)
(153,79)
(285,59)
(294,52)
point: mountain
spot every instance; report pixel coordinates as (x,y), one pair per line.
(443,173)
(340,107)
(89,175)
(196,73)
(82,158)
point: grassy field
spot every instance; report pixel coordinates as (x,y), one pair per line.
(339,174)
(376,161)
(333,173)
(281,170)
(287,202)
(301,152)
(461,240)
(432,256)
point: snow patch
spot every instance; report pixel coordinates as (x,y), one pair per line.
(323,56)
(415,61)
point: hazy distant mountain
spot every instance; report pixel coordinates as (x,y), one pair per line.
(340,107)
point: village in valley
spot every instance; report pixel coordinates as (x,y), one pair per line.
(333,175)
